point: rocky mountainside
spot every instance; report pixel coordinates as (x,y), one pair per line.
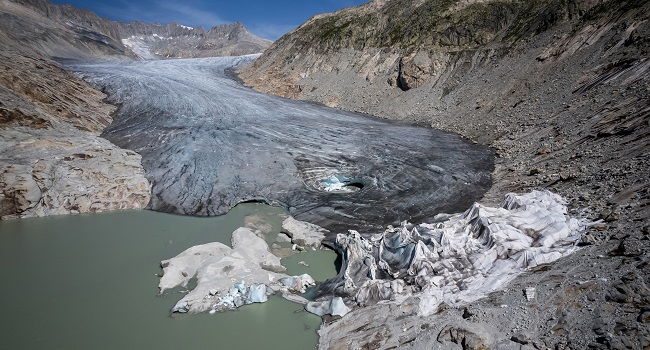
(43,31)
(139,39)
(173,40)
(52,160)
(560,90)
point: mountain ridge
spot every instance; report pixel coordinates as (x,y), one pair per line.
(143,40)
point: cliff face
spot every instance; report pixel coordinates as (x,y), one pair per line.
(560,89)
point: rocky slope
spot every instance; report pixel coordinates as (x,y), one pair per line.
(560,90)
(29,29)
(52,160)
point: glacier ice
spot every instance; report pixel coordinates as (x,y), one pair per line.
(209,143)
(227,278)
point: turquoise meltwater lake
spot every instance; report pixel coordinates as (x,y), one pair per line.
(90,282)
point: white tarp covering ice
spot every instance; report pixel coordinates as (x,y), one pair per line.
(462,258)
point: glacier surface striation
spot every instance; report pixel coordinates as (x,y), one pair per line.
(209,143)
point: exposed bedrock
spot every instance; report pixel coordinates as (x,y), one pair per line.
(52,160)
(209,143)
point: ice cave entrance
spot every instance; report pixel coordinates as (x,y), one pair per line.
(341,184)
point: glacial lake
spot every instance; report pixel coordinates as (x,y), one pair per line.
(90,282)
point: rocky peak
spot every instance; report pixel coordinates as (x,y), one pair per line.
(177,40)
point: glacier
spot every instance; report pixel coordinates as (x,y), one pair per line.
(208,143)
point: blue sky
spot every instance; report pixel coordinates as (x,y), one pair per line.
(265,18)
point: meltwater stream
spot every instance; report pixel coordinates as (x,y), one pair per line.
(209,143)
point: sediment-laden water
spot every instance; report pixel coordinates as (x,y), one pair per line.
(89,282)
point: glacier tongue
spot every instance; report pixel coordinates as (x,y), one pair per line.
(460,259)
(208,143)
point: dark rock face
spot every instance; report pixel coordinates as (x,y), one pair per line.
(208,143)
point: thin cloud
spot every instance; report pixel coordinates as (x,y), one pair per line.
(161,12)
(271,31)
(190,15)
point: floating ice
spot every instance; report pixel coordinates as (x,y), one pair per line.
(228,278)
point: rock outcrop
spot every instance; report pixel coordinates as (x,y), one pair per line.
(52,160)
(558,88)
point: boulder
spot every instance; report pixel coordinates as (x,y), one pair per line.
(334,307)
(414,70)
(465,337)
(303,233)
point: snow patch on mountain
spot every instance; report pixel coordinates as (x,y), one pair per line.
(139,47)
